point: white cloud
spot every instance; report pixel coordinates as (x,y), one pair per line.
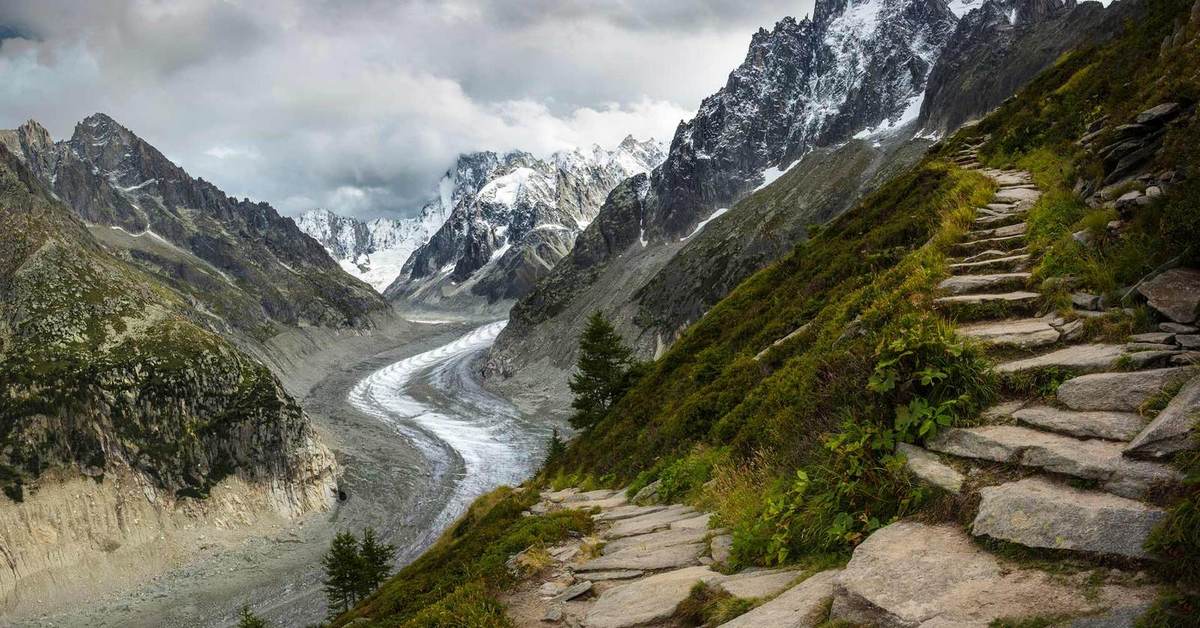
(298,102)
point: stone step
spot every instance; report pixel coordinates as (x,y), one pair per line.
(758,584)
(1098,460)
(646,559)
(1017,195)
(1010,263)
(1038,512)
(1173,430)
(998,220)
(1007,231)
(1028,333)
(648,601)
(990,254)
(1001,208)
(968,284)
(935,576)
(1109,425)
(1121,392)
(1088,358)
(662,538)
(652,522)
(971,247)
(928,468)
(802,606)
(1017,301)
(1008,178)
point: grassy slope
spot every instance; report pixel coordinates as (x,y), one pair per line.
(794,450)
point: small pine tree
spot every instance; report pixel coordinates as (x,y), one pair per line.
(599,377)
(343,570)
(555,449)
(247,619)
(376,562)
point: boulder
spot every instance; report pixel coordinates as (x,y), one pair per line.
(802,606)
(1188,341)
(722,548)
(646,601)
(1160,114)
(1037,512)
(1175,294)
(929,468)
(1172,430)
(1122,392)
(648,494)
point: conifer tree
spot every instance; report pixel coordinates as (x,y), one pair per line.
(600,374)
(556,448)
(376,562)
(247,619)
(343,572)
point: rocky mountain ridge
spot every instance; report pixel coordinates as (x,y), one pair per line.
(372,250)
(249,271)
(509,219)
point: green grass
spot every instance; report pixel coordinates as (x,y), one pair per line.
(460,575)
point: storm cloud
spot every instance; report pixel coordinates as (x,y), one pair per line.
(358,105)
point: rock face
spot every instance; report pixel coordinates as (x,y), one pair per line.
(856,65)
(510,219)
(996,48)
(241,260)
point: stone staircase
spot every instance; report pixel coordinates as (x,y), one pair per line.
(1075,473)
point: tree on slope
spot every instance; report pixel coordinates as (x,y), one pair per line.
(601,373)
(376,563)
(343,570)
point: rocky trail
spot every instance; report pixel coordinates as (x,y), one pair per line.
(1061,486)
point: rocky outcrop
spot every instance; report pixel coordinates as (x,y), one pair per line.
(510,219)
(373,250)
(249,270)
(104,377)
(997,47)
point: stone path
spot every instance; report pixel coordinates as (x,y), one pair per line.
(1074,473)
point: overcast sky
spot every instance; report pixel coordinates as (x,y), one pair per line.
(359,105)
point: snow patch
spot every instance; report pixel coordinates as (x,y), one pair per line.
(772,174)
(700,226)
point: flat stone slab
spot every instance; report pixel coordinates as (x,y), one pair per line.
(964,284)
(627,512)
(1159,337)
(651,522)
(1172,431)
(649,559)
(603,504)
(1017,297)
(1009,262)
(620,574)
(1107,424)
(1029,333)
(910,574)
(1017,195)
(646,601)
(802,606)
(590,496)
(1085,358)
(663,538)
(699,522)
(1123,392)
(759,584)
(1037,512)
(991,254)
(1175,294)
(991,243)
(1095,459)
(1008,231)
(930,469)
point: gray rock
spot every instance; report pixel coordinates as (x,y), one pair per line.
(1154,337)
(1121,426)
(1014,298)
(802,606)
(1024,334)
(1176,328)
(627,512)
(1185,358)
(648,494)
(911,574)
(1144,359)
(722,548)
(1009,231)
(1188,341)
(590,496)
(1123,392)
(651,522)
(1084,358)
(1173,430)
(572,592)
(758,584)
(699,522)
(553,615)
(1085,301)
(1037,512)
(663,538)
(1017,195)
(1071,330)
(1159,114)
(964,284)
(646,601)
(619,574)
(929,468)
(647,559)
(1175,294)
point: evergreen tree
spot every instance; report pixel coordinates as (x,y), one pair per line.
(376,562)
(247,619)
(343,571)
(556,448)
(600,374)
